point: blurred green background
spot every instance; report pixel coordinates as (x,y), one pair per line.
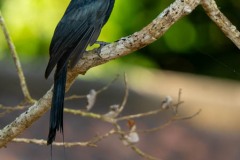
(194,44)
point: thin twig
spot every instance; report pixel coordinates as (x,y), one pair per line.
(16,60)
(8,109)
(125,94)
(179,100)
(97,139)
(133,147)
(140,115)
(72,97)
(44,142)
(188,117)
(170,121)
(142,154)
(89,114)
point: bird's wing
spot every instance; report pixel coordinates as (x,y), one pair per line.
(96,23)
(80,25)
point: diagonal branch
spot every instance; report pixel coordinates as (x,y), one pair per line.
(222,21)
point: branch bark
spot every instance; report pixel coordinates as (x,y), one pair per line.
(221,20)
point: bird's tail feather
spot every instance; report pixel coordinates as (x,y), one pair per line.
(56,113)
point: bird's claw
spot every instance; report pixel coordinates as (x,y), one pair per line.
(102,44)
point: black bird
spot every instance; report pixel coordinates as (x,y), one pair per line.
(79,27)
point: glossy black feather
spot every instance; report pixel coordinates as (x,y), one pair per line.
(56,113)
(79,27)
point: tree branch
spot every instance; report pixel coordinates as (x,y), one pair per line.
(222,21)
(15,57)
(44,142)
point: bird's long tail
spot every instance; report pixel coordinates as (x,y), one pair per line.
(56,113)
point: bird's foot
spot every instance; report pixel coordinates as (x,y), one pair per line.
(102,44)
